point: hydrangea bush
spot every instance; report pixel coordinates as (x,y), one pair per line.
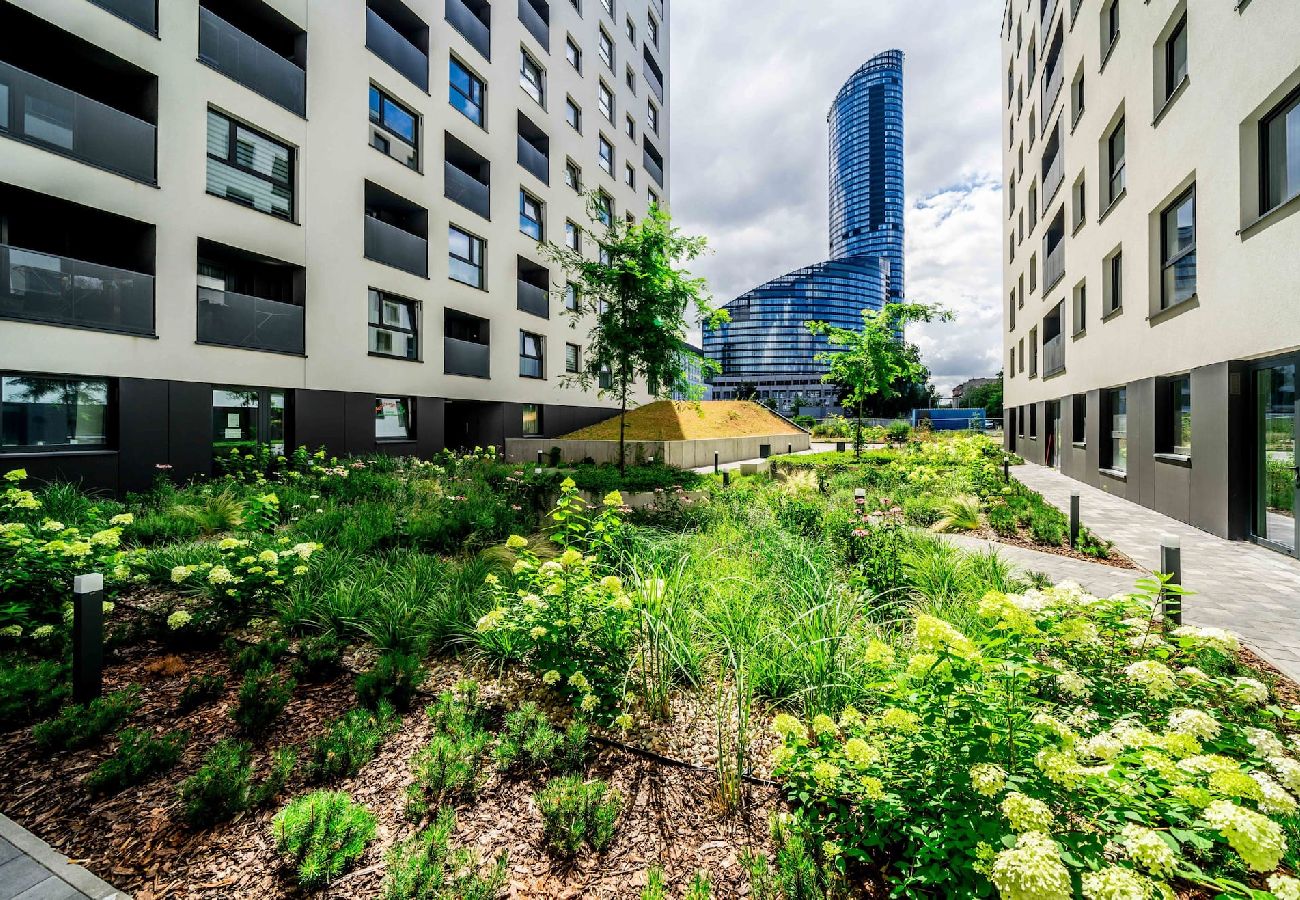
(1071,748)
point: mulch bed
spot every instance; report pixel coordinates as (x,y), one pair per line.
(138,841)
(1116,560)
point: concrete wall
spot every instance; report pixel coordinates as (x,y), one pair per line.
(683,454)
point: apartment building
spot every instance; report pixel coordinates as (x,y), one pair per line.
(1151,156)
(228,222)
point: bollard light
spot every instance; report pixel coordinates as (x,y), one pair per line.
(715,462)
(539,457)
(87,637)
(1171,564)
(1074,519)
(1006,470)
(726,477)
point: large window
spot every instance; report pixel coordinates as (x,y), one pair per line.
(1110,26)
(466,92)
(1280,150)
(393,419)
(604,208)
(605,101)
(532,421)
(572,358)
(652,116)
(394,129)
(245,417)
(1178,250)
(393,326)
(605,48)
(248,167)
(572,237)
(573,175)
(606,151)
(532,362)
(1176,57)
(1079,419)
(573,53)
(1115,427)
(532,78)
(39,412)
(1115,162)
(571,296)
(530,215)
(1174,407)
(465,257)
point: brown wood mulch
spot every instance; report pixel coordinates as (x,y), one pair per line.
(1116,560)
(138,841)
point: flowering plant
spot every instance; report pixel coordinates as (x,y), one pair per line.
(245,572)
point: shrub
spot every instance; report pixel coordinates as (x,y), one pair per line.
(248,657)
(655,889)
(576,812)
(922,510)
(1002,519)
(449,769)
(155,528)
(270,787)
(1091,545)
(322,835)
(394,679)
(960,513)
(262,697)
(1049,526)
(30,691)
(214,511)
(80,726)
(425,867)
(796,872)
(139,755)
(319,658)
(898,432)
(350,743)
(200,690)
(223,786)
(808,422)
(529,740)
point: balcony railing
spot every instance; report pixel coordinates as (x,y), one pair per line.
(463,188)
(1049,10)
(470,26)
(656,172)
(534,300)
(40,112)
(1053,177)
(392,47)
(396,247)
(1054,266)
(1054,355)
(56,290)
(253,323)
(534,160)
(251,63)
(1052,88)
(653,80)
(142,14)
(466,358)
(535,24)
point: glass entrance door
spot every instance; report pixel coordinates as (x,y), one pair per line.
(1277,481)
(1052,413)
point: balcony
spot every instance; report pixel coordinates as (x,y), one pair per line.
(251,323)
(143,14)
(536,22)
(1052,178)
(1054,356)
(397,50)
(396,247)
(467,358)
(251,63)
(57,290)
(1048,10)
(1052,88)
(534,160)
(49,116)
(1053,266)
(463,188)
(653,78)
(652,166)
(471,27)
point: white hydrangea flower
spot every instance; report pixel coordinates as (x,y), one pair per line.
(1196,722)
(1265,741)
(1026,813)
(1032,870)
(1115,883)
(1284,887)
(1258,840)
(1146,848)
(1275,799)
(1249,690)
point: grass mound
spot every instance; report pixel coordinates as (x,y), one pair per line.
(675,420)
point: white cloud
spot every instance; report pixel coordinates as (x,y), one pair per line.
(752,81)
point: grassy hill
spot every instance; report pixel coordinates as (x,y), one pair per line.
(671,420)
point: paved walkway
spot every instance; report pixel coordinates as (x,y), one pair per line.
(31,870)
(1238,585)
(1096,578)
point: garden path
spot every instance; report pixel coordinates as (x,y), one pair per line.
(1096,578)
(1241,586)
(31,870)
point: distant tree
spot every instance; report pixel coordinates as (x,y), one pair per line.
(638,294)
(987,397)
(747,391)
(870,362)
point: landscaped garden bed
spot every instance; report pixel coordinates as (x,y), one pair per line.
(387,678)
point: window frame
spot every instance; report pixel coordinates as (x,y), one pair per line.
(539,221)
(408,406)
(540,356)
(1170,409)
(413,312)
(572,168)
(572,358)
(382,124)
(605,48)
(527,63)
(573,53)
(473,79)
(606,101)
(1288,105)
(607,164)
(233,126)
(1109,420)
(536,419)
(1116,172)
(573,114)
(572,236)
(481,265)
(1079,420)
(1168,262)
(1172,78)
(110,408)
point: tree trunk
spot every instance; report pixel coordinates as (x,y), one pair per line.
(857,439)
(622,430)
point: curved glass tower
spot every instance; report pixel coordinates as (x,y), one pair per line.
(766,346)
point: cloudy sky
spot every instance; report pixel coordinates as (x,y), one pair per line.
(752,82)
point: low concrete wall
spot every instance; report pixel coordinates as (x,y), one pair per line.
(682,454)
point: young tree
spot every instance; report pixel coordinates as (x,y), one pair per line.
(872,361)
(637,293)
(988,396)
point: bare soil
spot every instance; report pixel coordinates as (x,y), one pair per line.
(678,420)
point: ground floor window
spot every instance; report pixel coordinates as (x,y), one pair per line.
(244,417)
(532,419)
(46,412)
(1115,450)
(393,419)
(1033,420)
(1175,411)
(1079,418)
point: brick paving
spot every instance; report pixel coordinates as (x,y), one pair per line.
(31,870)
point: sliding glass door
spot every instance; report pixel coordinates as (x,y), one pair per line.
(1277,480)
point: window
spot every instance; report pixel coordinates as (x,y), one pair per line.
(572,237)
(248,167)
(1079,419)
(1020,354)
(1033,352)
(246,417)
(1020,419)
(630,127)
(573,53)
(1080,202)
(605,48)
(1115,162)
(530,215)
(629,78)
(572,175)
(394,129)
(1032,203)
(465,257)
(1114,285)
(532,421)
(466,92)
(1178,250)
(1174,412)
(571,297)
(652,28)
(1114,454)
(1011,305)
(1279,142)
(652,119)
(631,30)
(1033,420)
(1176,57)
(572,358)
(606,155)
(1011,363)
(532,77)
(1076,98)
(1033,273)
(393,326)
(38,412)
(605,101)
(604,208)
(652,199)
(393,419)
(531,349)
(1109,27)
(609,6)
(629,174)
(1033,60)
(573,114)
(1080,317)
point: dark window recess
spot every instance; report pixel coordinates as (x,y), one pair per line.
(467,177)
(473,19)
(653,161)
(1054,341)
(1079,418)
(1279,143)
(1174,415)
(394,326)
(396,231)
(1176,57)
(70,97)
(249,301)
(1033,420)
(534,289)
(249,167)
(50,413)
(654,75)
(466,345)
(66,264)
(143,14)
(400,38)
(532,420)
(394,419)
(251,43)
(534,150)
(1114,429)
(394,129)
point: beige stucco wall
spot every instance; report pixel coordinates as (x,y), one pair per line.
(683,454)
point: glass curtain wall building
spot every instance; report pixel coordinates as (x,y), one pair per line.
(766,347)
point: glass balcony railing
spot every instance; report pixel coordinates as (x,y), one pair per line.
(1054,355)
(56,290)
(652,78)
(535,24)
(534,300)
(143,14)
(40,112)
(392,47)
(1052,88)
(251,63)
(466,358)
(534,160)
(463,188)
(655,170)
(396,247)
(470,26)
(1053,177)
(252,323)
(1054,266)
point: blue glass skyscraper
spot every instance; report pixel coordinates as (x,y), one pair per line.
(766,346)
